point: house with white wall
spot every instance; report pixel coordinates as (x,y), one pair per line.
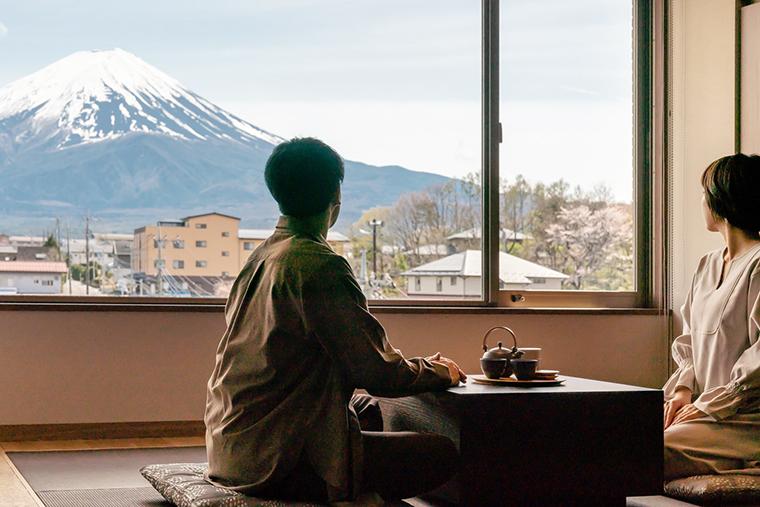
(459,275)
(31,277)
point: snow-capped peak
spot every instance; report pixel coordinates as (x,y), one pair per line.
(91,96)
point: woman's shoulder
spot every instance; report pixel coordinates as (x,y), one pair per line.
(711,257)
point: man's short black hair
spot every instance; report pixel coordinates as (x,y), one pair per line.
(303,175)
(732,191)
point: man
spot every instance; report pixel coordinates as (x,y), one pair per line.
(280,417)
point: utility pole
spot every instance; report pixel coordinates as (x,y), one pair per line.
(87,254)
(68,253)
(374,223)
(159,241)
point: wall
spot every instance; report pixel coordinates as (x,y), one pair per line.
(703,91)
(68,367)
(32,283)
(750,79)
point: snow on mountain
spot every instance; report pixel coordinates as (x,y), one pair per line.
(92,96)
(103,132)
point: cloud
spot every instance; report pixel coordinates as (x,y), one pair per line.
(3,30)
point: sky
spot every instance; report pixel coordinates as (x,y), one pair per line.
(386,82)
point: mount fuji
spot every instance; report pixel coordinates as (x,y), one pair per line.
(103,132)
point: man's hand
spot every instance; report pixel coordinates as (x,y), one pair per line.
(681,398)
(688,413)
(455,372)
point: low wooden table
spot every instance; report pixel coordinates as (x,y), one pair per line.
(582,443)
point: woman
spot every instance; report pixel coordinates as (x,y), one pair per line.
(712,408)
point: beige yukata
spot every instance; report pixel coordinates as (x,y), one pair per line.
(299,340)
(718,358)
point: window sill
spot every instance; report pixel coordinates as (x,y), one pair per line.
(216,305)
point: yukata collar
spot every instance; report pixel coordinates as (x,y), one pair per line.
(293,225)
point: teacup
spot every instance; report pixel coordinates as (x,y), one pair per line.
(493,368)
(525,369)
(531,353)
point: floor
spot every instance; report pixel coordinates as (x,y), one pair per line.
(15,492)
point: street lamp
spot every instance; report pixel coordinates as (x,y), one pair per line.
(374,223)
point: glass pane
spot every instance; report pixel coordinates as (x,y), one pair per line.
(139,171)
(566,159)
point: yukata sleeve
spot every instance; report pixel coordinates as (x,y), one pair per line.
(336,313)
(682,353)
(743,390)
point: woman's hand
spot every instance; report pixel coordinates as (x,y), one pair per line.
(680,399)
(688,413)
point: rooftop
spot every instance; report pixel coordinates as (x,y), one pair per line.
(476,233)
(512,269)
(32,267)
(265,233)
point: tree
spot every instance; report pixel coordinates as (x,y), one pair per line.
(54,249)
(585,244)
(513,210)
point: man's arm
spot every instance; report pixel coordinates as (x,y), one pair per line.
(336,313)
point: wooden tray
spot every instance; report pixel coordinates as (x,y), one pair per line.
(511,381)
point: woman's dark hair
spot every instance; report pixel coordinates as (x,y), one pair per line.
(732,191)
(303,175)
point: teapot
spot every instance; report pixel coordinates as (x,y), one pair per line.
(495,362)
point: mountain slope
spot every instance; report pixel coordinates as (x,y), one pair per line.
(104,132)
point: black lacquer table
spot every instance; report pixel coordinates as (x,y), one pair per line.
(585,442)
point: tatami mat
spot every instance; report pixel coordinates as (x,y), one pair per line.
(102,469)
(119,497)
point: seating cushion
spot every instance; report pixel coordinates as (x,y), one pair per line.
(183,485)
(716,489)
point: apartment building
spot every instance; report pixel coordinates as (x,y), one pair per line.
(199,245)
(250,239)
(207,245)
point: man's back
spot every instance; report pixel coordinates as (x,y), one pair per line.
(273,384)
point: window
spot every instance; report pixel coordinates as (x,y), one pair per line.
(177,264)
(47,283)
(567,166)
(381,74)
(225,273)
(159,263)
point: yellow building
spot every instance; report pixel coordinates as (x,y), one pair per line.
(199,245)
(252,238)
(208,245)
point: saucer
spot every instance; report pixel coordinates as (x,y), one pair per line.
(511,381)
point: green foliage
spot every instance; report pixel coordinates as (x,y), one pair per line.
(78,272)
(583,234)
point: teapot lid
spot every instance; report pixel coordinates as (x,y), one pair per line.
(499,352)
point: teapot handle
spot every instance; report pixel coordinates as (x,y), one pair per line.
(514,338)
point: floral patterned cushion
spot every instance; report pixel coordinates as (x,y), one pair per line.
(716,489)
(183,485)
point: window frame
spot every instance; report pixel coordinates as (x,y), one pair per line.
(649,105)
